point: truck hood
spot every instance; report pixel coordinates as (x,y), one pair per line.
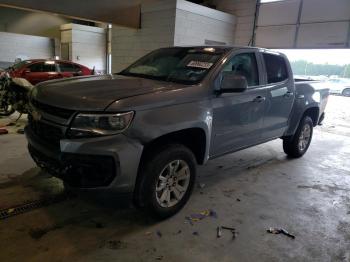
(95,93)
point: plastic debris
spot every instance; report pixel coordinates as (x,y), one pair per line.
(272,230)
(213,214)
(201,215)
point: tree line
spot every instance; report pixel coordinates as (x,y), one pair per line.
(302,67)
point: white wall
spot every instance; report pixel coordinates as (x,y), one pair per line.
(157,30)
(14,46)
(195,24)
(244,11)
(168,23)
(87,45)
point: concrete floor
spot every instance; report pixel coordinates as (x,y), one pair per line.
(251,190)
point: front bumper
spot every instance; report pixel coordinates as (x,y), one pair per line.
(101,163)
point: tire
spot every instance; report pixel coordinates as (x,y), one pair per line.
(346,92)
(159,188)
(296,146)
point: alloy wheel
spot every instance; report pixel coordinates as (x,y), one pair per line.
(172,184)
(304,138)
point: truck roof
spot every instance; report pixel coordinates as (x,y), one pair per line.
(228,47)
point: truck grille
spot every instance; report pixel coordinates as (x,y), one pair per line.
(48,133)
(52,110)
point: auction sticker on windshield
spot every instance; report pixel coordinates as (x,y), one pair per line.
(200,64)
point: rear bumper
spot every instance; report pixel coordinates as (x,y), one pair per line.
(102,163)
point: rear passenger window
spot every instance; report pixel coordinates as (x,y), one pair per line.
(276,68)
(67,67)
(49,67)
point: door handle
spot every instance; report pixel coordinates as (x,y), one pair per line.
(288,94)
(259,99)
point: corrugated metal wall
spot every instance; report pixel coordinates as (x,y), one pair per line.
(304,24)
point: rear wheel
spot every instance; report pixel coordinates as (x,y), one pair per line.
(167,180)
(346,92)
(297,145)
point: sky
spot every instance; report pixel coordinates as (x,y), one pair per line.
(319,56)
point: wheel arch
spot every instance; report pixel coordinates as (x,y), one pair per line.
(313,113)
(193,138)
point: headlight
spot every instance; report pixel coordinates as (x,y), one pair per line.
(100,124)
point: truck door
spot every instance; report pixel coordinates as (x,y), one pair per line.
(238,117)
(280,94)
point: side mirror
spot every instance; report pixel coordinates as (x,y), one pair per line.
(232,83)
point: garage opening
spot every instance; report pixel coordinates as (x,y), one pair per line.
(332,68)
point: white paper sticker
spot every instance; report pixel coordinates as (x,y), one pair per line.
(200,64)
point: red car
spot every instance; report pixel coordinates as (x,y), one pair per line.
(39,70)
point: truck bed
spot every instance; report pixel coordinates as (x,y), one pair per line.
(317,90)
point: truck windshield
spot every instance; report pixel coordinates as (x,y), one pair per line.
(178,64)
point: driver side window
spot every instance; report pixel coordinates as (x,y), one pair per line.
(244,65)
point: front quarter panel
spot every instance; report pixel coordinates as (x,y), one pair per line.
(151,124)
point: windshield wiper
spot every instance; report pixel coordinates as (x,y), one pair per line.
(161,78)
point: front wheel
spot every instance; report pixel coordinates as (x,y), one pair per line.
(167,180)
(297,145)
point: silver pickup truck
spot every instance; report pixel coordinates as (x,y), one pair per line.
(143,131)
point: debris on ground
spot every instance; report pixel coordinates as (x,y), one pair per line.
(272,230)
(115,244)
(218,232)
(159,258)
(148,233)
(159,233)
(11,124)
(3,131)
(20,131)
(195,233)
(178,232)
(238,200)
(201,185)
(231,229)
(201,215)
(220,167)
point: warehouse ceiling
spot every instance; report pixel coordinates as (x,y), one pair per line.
(126,13)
